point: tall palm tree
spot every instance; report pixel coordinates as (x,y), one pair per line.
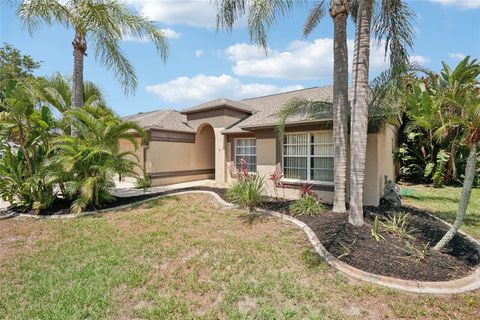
(104,23)
(392,23)
(262,15)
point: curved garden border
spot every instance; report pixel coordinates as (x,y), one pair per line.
(468,283)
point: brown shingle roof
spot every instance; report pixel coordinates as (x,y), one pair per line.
(221,102)
(162,119)
(264,111)
(269,106)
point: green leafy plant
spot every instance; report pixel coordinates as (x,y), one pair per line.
(307,205)
(347,248)
(143,182)
(247,191)
(375,230)
(87,163)
(397,224)
(418,254)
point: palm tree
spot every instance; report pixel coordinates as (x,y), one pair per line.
(57,92)
(86,164)
(393,24)
(104,23)
(262,15)
(456,93)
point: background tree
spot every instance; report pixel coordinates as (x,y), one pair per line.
(454,97)
(26,128)
(15,66)
(104,24)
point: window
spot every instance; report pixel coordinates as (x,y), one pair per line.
(308,156)
(246,148)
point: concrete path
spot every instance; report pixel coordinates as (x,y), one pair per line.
(126,189)
(3,204)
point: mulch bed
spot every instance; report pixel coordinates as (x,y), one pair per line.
(355,245)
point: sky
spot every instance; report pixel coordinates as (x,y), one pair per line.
(205,64)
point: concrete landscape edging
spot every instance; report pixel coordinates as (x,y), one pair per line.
(469,283)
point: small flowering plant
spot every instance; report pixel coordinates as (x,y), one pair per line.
(306,190)
(276,178)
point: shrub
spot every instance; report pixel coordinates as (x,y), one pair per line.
(143,182)
(247,192)
(307,205)
(398,224)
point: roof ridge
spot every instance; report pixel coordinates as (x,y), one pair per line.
(284,92)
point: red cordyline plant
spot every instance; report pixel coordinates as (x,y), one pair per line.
(276,178)
(306,190)
(243,172)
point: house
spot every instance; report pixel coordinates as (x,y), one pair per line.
(207,141)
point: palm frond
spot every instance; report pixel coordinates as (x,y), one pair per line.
(317,12)
(304,108)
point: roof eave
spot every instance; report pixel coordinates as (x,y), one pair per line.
(186,112)
(290,123)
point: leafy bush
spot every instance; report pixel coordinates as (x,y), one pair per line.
(398,224)
(307,205)
(86,164)
(247,192)
(143,182)
(376,230)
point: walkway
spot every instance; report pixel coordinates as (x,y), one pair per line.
(126,189)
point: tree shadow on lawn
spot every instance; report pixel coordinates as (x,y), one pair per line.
(251,218)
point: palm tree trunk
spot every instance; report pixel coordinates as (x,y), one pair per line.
(339,11)
(451,172)
(359,116)
(79,51)
(466,192)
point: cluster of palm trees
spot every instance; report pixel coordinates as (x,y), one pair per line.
(41,160)
(79,151)
(390,21)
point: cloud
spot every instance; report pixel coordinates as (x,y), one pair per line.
(199,53)
(301,60)
(457,55)
(462,4)
(169,33)
(419,59)
(201,88)
(195,13)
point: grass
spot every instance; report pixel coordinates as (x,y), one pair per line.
(187,258)
(443,202)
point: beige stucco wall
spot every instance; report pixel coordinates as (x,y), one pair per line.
(379,162)
(126,145)
(168,156)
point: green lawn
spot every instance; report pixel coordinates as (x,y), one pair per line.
(188,258)
(444,203)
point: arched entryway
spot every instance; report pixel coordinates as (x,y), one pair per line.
(205,149)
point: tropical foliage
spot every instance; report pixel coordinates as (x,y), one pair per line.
(444,108)
(40,161)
